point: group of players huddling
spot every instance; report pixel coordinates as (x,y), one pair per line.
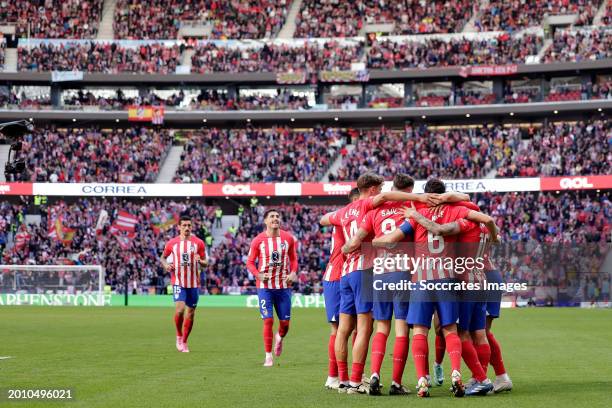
(433,221)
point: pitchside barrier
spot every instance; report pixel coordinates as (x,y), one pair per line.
(520,184)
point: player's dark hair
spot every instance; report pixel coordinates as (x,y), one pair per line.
(368,180)
(435,186)
(402,181)
(270,211)
(184,218)
(353,194)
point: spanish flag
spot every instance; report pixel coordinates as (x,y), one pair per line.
(153,114)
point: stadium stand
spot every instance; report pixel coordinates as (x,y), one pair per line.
(311,56)
(161,19)
(95,155)
(99,57)
(276,154)
(514,15)
(434,52)
(524,218)
(579,45)
(53,18)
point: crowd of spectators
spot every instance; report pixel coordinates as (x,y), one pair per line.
(11,99)
(516,14)
(127,155)
(521,95)
(214,100)
(256,154)
(100,57)
(329,19)
(560,149)
(423,152)
(52,18)
(504,49)
(580,45)
(528,223)
(421,17)
(554,149)
(332,55)
(120,101)
(162,19)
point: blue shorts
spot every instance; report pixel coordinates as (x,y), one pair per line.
(423,304)
(353,297)
(279,299)
(331,294)
(494,297)
(472,315)
(390,303)
(188,295)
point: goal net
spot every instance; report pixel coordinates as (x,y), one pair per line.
(53,285)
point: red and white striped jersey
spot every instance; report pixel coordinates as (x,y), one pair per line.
(277,256)
(186,272)
(333,272)
(348,218)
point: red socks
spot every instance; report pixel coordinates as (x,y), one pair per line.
(453,348)
(342,371)
(178,322)
(440,349)
(187,325)
(496,356)
(357,372)
(471,360)
(332,370)
(420,353)
(484,355)
(379,345)
(400,353)
(267,334)
(283,327)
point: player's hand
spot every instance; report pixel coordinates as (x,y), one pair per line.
(169,267)
(409,211)
(292,277)
(265,275)
(435,199)
(202,262)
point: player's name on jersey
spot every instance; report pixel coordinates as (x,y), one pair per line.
(407,285)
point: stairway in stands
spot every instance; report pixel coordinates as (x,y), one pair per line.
(170,165)
(289,28)
(106,30)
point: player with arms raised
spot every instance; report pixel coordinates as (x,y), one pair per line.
(276,252)
(187,252)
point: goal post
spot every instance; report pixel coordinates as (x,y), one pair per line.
(52,285)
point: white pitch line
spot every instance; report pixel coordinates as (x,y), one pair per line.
(5,357)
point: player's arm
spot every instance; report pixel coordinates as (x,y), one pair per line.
(293,262)
(253,256)
(397,196)
(477,216)
(201,255)
(355,242)
(327,219)
(389,240)
(448,197)
(450,228)
(168,267)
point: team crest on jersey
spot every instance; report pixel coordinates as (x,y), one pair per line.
(283,245)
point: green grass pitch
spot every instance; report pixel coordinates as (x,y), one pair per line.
(115,357)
